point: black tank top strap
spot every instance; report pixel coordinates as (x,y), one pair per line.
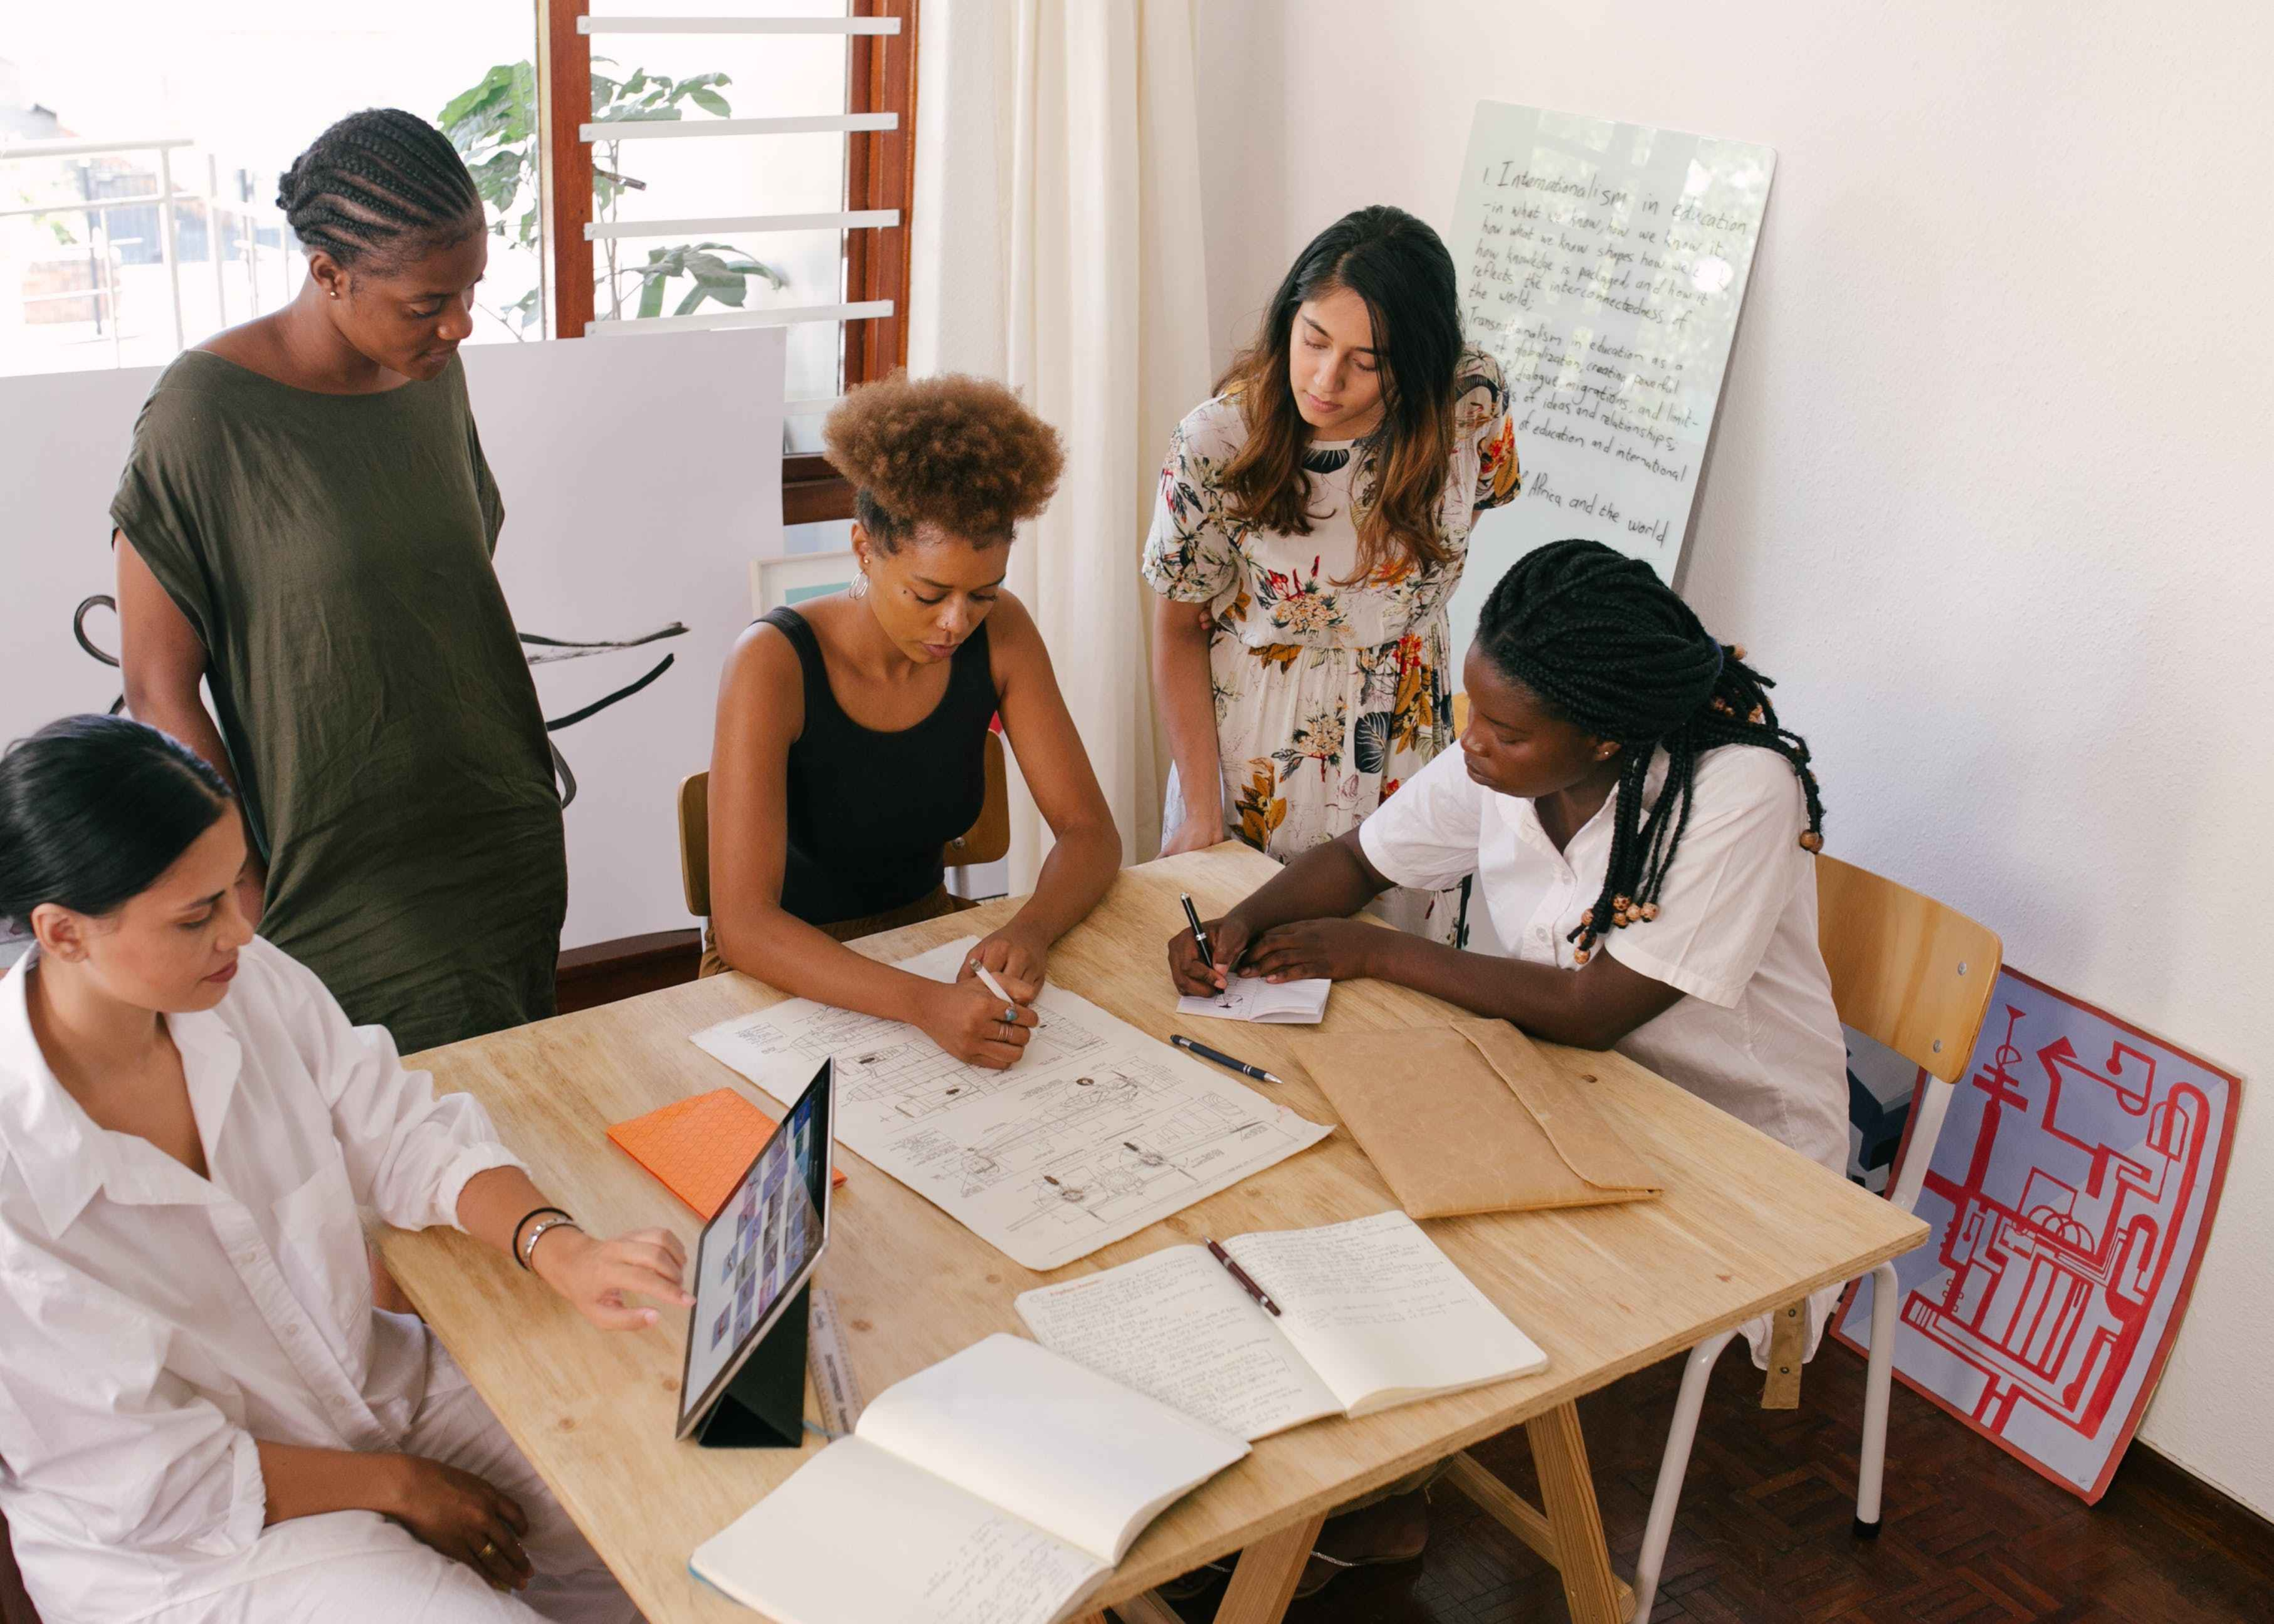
(819,698)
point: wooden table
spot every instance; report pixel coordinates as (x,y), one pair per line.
(1745,1225)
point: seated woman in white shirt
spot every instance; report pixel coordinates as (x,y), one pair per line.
(202,1417)
(1639,826)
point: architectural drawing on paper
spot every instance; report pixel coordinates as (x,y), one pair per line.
(1096,1132)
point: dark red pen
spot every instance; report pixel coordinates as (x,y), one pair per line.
(1241,1275)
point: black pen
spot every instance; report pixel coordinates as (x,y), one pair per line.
(1206,1053)
(1199,936)
(1240,1274)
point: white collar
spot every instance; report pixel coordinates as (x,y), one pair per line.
(1524,812)
(63,1156)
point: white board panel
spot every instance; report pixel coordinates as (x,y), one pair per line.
(640,480)
(1605,265)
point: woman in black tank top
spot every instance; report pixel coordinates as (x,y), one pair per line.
(851,741)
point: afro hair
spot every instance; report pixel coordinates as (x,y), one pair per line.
(961,454)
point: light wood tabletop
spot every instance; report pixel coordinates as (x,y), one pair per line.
(1745,1225)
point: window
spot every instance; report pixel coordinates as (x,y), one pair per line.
(140,145)
(762,178)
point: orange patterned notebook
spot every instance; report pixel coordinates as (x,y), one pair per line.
(699,1146)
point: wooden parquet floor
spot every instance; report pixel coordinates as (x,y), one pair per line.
(1971,1535)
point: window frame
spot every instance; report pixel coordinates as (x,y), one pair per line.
(879,173)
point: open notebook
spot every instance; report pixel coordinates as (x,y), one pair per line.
(1371,1314)
(1252,998)
(999,1486)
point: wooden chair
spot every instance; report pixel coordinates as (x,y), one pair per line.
(1913,975)
(986,841)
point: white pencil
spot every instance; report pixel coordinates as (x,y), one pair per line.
(987,978)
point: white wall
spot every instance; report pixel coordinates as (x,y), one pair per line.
(1990,492)
(640,479)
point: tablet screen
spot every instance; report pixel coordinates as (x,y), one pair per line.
(757,1253)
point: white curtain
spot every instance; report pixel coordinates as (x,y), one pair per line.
(1055,243)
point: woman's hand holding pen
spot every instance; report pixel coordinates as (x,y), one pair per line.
(1201,977)
(1015,958)
(973,1024)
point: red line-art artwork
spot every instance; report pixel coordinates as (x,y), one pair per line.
(2071,1191)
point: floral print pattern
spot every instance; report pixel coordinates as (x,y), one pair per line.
(1329,691)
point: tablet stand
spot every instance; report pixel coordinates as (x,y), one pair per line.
(764,1406)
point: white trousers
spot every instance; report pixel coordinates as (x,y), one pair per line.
(359,1568)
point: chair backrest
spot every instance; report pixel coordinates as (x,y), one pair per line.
(695,843)
(986,841)
(1906,971)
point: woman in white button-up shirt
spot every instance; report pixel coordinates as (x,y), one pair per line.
(202,1417)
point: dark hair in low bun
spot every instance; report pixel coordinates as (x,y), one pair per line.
(92,809)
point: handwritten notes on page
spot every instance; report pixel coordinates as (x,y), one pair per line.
(1176,1327)
(1096,1132)
(1252,998)
(1376,1315)
(1604,265)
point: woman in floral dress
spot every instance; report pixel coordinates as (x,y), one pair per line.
(1314,519)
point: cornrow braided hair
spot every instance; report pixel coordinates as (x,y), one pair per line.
(1601,639)
(376,182)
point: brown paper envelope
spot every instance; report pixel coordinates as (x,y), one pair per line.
(1561,1108)
(1470,1118)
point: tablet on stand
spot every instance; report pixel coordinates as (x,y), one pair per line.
(744,1385)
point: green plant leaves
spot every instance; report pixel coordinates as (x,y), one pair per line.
(501,109)
(494,127)
(720,271)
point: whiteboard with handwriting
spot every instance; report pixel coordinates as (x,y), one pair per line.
(1604,264)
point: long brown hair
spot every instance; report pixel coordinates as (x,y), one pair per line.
(1400,269)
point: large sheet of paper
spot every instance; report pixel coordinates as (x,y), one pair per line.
(1098,1132)
(1603,265)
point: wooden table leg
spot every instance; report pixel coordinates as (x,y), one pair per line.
(1568,1494)
(1145,1607)
(1264,1582)
(1787,1342)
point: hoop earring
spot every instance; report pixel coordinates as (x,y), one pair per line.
(859,586)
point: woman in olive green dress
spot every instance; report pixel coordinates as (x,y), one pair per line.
(306,524)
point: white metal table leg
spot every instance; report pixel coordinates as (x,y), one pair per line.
(1879,1374)
(1671,1469)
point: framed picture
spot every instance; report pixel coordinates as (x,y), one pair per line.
(785,582)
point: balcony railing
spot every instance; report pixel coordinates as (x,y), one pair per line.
(169,199)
